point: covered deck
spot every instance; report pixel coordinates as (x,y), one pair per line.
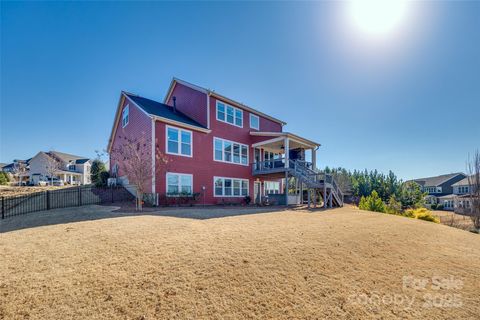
(276,154)
(283,155)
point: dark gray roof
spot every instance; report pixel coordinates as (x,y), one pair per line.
(10,165)
(463,182)
(436,181)
(80,161)
(162,110)
(65,156)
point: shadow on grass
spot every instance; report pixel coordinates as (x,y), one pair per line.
(97,212)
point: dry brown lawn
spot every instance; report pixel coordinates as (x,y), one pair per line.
(7,191)
(452,219)
(341,263)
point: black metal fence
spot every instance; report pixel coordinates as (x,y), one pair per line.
(63,198)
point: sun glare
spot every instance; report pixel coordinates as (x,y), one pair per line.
(377,17)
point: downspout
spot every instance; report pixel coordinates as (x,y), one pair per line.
(208,109)
(153,157)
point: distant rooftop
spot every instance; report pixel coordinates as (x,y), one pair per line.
(435,181)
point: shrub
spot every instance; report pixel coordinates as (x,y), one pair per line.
(96,171)
(372,203)
(433,206)
(427,216)
(4,179)
(409,213)
(393,206)
(422,214)
(440,207)
(103,179)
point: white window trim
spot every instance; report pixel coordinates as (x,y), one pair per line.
(265,186)
(250,120)
(179,142)
(232,142)
(223,187)
(127,108)
(179,181)
(225,121)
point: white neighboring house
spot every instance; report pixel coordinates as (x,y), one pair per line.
(69,168)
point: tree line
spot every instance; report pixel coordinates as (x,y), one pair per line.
(388,187)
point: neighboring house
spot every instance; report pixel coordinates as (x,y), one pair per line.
(216,147)
(18,170)
(70,169)
(462,191)
(439,189)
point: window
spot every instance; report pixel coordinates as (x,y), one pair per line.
(229,151)
(463,189)
(179,141)
(272,187)
(448,203)
(125,116)
(229,114)
(230,187)
(272,160)
(179,184)
(72,167)
(433,189)
(254,122)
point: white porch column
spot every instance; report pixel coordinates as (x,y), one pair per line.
(287,152)
(314,158)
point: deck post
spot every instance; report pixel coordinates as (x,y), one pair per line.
(301,192)
(308,193)
(325,191)
(314,159)
(287,152)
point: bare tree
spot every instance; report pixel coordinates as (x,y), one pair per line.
(473,171)
(52,166)
(135,161)
(18,171)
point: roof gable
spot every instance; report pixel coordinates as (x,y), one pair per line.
(162,110)
(220,97)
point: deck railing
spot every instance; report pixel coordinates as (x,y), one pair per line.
(302,169)
(268,165)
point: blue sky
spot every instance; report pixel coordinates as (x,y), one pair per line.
(409,101)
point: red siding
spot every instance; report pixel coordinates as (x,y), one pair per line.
(191,102)
(202,165)
(139,127)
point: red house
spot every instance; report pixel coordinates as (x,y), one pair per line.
(218,148)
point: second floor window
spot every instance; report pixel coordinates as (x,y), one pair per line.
(254,122)
(72,167)
(229,151)
(463,190)
(179,141)
(125,116)
(229,114)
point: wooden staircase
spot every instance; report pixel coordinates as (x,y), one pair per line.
(312,179)
(319,181)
